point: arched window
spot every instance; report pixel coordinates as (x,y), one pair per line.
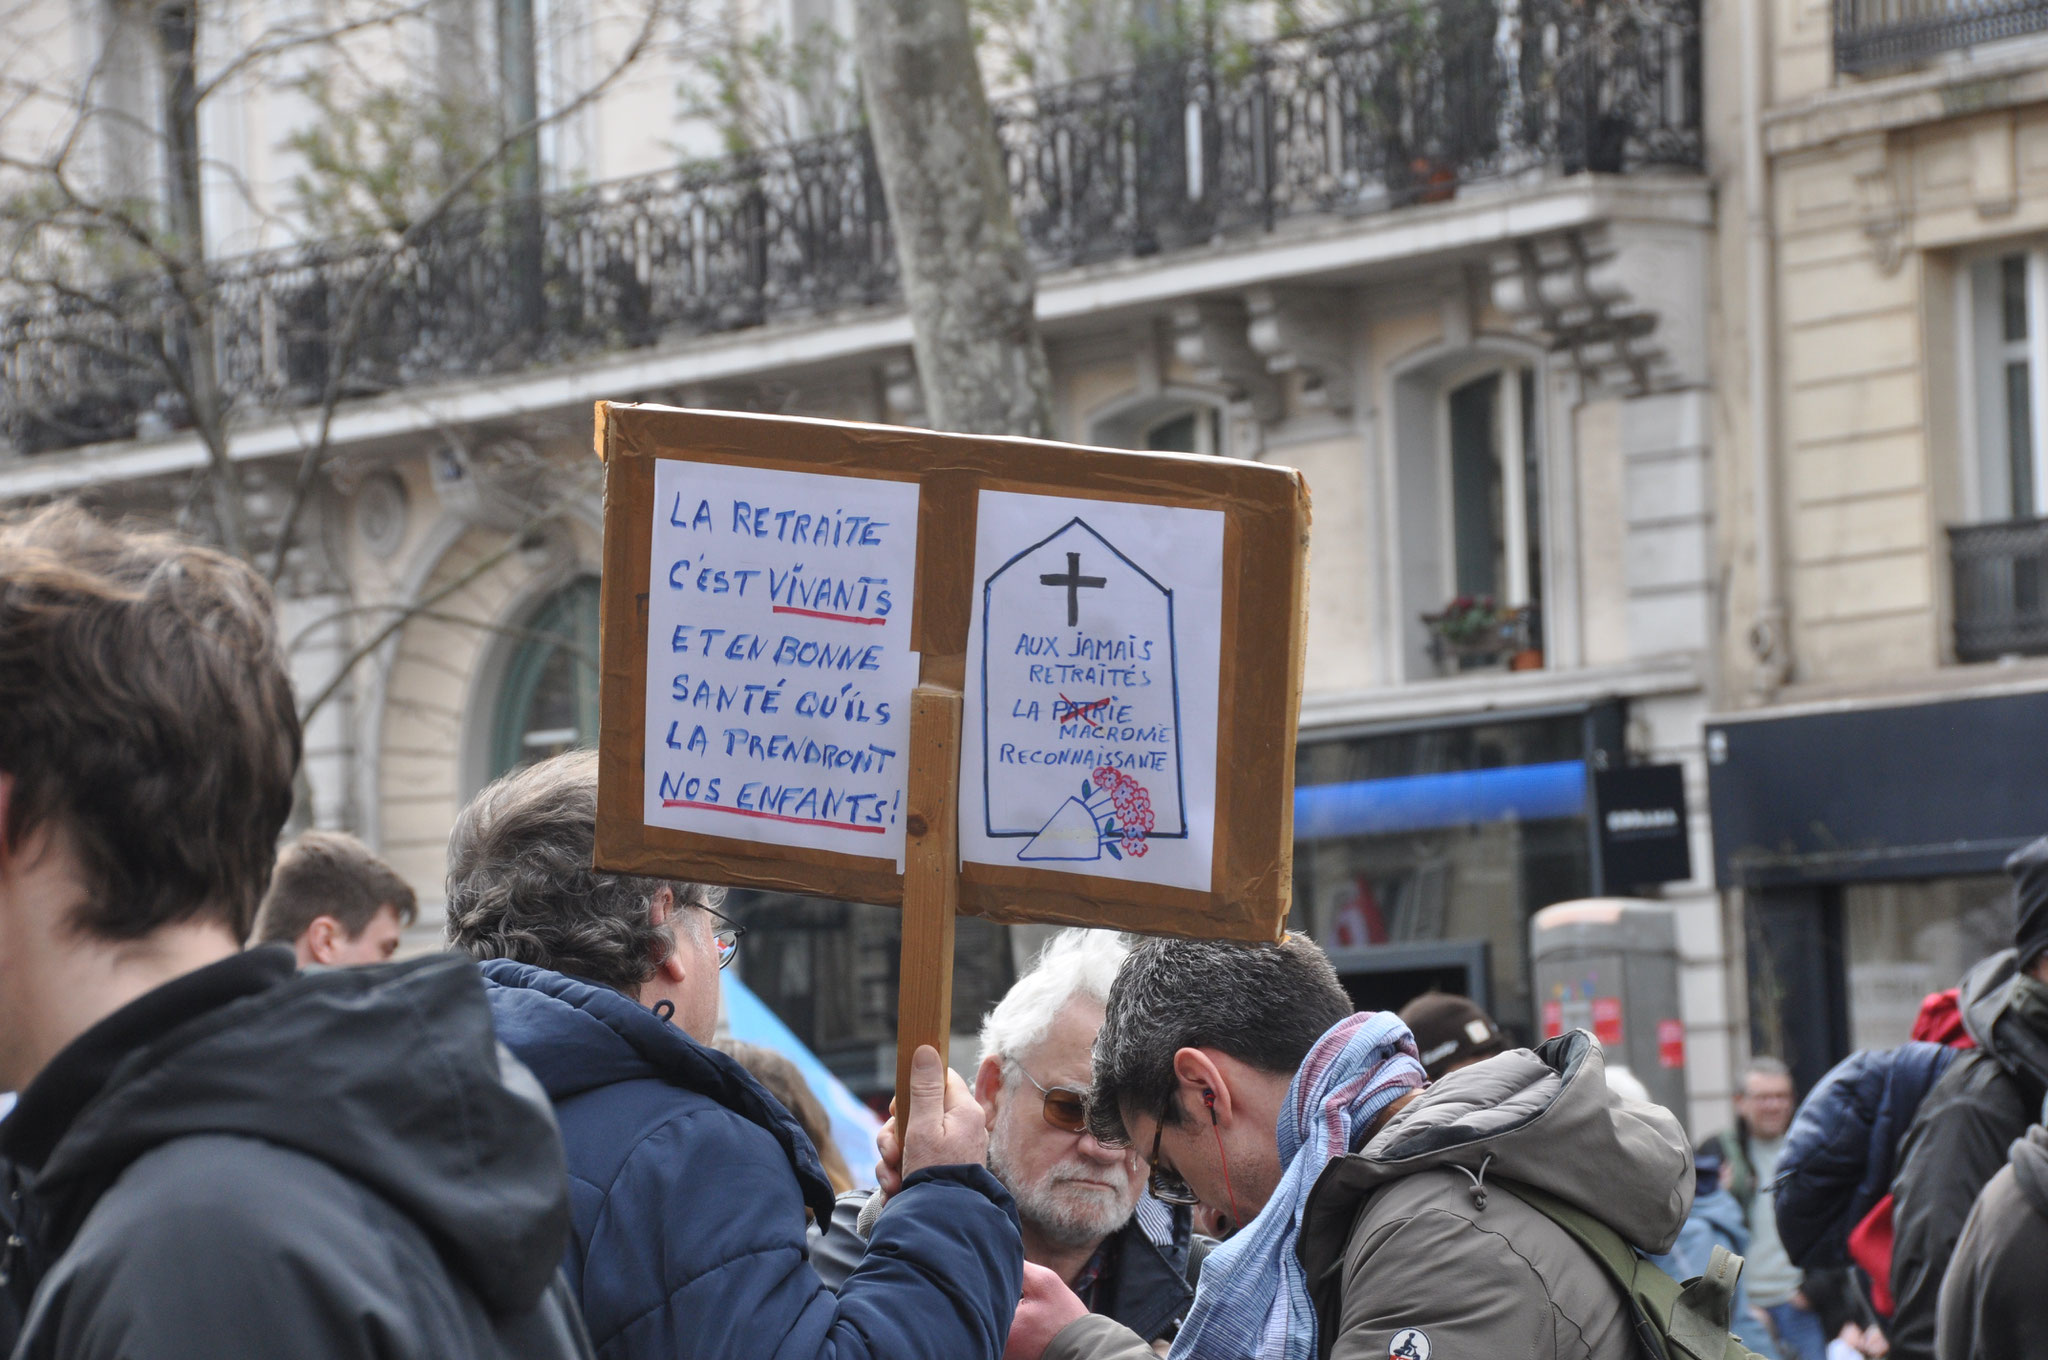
(1469,514)
(548,701)
(1197,429)
(1173,421)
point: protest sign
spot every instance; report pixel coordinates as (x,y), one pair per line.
(1036,681)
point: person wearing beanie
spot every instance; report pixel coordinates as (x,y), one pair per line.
(1986,1100)
(1450,1032)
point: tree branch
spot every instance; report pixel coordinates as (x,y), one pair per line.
(342,354)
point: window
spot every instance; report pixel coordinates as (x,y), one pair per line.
(1197,430)
(1495,488)
(1173,421)
(1386,872)
(1998,556)
(548,702)
(1908,939)
(1468,514)
(2007,308)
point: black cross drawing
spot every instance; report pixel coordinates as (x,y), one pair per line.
(1074,581)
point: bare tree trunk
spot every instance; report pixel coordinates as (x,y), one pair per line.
(520,91)
(177,31)
(966,277)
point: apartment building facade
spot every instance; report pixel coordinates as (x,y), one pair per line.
(1457,263)
(1885,537)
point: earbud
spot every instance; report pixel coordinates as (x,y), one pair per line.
(1209,1099)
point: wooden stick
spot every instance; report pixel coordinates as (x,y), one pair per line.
(931,881)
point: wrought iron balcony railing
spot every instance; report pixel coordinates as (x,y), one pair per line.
(1411,107)
(1876,35)
(2001,588)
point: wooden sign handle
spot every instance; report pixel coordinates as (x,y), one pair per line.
(931,881)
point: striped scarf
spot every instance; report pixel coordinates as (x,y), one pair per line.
(1253,1302)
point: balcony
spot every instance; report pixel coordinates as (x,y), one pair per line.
(1878,35)
(2001,588)
(1418,106)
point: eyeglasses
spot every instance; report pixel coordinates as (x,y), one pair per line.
(1165,1183)
(726,937)
(1066,1109)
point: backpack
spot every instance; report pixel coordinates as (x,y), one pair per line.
(1673,1321)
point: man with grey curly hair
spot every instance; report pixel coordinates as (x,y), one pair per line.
(688,1181)
(1080,1201)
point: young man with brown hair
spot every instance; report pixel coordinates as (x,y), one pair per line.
(225,1157)
(334,902)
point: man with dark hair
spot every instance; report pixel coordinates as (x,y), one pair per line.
(334,902)
(1242,1075)
(228,1158)
(1985,1101)
(689,1182)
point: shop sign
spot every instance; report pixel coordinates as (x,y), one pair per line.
(1641,825)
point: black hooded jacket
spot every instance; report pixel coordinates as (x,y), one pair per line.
(1960,1138)
(253,1162)
(1992,1303)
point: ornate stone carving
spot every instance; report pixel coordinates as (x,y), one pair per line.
(1626,318)
(1210,336)
(1307,332)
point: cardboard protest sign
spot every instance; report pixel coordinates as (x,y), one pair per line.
(1121,634)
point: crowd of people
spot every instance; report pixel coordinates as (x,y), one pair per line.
(244,1129)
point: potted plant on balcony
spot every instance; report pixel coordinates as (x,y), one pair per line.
(1474,633)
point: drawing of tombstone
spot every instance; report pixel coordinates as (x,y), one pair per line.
(1080,682)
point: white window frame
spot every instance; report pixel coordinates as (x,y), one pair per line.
(1518,588)
(1982,358)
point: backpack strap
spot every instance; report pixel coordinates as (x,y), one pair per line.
(1672,1321)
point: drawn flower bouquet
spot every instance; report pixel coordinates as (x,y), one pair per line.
(1122,809)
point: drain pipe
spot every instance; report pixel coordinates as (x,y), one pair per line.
(1769,642)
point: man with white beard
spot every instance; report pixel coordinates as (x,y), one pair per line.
(1130,1258)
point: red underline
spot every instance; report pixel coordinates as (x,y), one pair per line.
(819,614)
(770,816)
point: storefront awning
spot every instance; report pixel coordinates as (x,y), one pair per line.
(1419,802)
(1895,792)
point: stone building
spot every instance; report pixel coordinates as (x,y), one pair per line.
(1457,264)
(1884,532)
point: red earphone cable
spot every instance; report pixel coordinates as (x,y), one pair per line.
(1222,1159)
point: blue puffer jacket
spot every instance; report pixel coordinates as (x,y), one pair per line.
(1840,1153)
(688,1184)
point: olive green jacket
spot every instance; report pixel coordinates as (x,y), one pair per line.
(1412,1250)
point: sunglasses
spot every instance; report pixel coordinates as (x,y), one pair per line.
(1165,1184)
(726,937)
(1066,1109)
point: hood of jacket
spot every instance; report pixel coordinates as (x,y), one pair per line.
(577,1036)
(2030,1168)
(1547,1118)
(2006,1012)
(390,1074)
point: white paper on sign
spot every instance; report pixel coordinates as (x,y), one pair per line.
(1090,734)
(779,667)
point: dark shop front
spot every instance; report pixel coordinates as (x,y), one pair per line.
(1867,842)
(1422,850)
